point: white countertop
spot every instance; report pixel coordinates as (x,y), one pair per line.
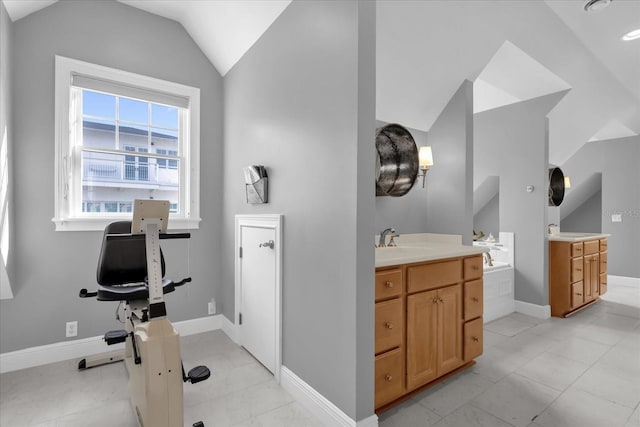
(424,247)
(576,237)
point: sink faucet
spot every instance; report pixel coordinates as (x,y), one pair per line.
(487,259)
(383,236)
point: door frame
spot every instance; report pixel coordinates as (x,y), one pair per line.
(274,222)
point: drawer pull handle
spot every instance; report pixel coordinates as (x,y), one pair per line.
(388,325)
(476,339)
(389,284)
(388,378)
(475,267)
(578,269)
(579,295)
(475,299)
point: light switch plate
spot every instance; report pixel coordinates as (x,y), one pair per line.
(616,218)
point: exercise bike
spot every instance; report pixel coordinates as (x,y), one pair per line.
(131,270)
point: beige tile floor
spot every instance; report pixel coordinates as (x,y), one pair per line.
(582,371)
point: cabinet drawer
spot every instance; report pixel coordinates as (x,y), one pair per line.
(388,284)
(603,262)
(430,276)
(603,283)
(473,299)
(576,269)
(472,267)
(591,247)
(472,339)
(577,294)
(388,377)
(576,249)
(603,245)
(388,328)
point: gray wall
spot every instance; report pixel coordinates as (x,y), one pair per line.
(6,147)
(512,143)
(450,179)
(617,160)
(52,266)
(487,219)
(587,218)
(299,102)
(408,213)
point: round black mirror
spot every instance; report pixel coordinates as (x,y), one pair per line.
(396,161)
(556,186)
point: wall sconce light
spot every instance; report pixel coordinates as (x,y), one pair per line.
(567,182)
(425,159)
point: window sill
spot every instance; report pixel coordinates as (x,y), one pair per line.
(99,224)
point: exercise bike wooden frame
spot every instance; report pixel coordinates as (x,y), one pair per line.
(152,344)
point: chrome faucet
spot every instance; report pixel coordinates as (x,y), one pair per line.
(488,259)
(383,236)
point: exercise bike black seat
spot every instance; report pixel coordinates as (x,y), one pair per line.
(122,266)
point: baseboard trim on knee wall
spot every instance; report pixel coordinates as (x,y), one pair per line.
(534,310)
(77,349)
(325,411)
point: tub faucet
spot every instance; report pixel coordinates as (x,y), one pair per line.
(383,236)
(488,259)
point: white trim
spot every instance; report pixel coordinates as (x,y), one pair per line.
(58,352)
(325,411)
(535,310)
(65,194)
(623,281)
(273,221)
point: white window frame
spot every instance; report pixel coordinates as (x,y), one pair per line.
(67,161)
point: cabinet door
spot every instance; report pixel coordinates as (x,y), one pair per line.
(388,377)
(577,294)
(577,265)
(603,283)
(472,339)
(591,277)
(449,329)
(473,299)
(388,328)
(422,335)
(594,275)
(603,262)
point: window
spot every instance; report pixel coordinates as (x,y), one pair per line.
(119,137)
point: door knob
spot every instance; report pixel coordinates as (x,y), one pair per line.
(269,244)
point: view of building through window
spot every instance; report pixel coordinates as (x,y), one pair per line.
(130,150)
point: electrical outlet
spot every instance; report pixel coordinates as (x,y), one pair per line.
(212,306)
(72,329)
(616,217)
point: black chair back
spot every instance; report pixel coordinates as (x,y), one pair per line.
(122,261)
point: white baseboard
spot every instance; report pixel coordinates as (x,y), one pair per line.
(623,281)
(58,352)
(535,310)
(325,411)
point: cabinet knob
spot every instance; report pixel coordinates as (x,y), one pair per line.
(476,339)
(475,299)
(388,378)
(388,325)
(579,295)
(578,269)
(389,284)
(435,300)
(440,300)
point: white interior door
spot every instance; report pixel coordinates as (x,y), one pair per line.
(258,293)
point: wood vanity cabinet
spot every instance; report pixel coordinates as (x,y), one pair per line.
(441,303)
(577,275)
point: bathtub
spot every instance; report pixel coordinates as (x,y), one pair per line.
(498,291)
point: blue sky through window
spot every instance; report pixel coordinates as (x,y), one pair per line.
(130,110)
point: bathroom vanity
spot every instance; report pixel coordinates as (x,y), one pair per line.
(577,271)
(428,314)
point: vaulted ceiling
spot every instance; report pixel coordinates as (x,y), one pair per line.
(425,49)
